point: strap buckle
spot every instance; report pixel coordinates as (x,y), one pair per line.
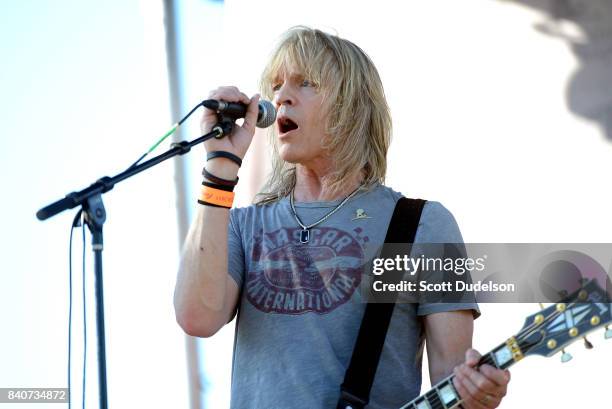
(349,401)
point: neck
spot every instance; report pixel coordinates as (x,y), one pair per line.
(313,186)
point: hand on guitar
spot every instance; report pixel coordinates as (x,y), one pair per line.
(480,388)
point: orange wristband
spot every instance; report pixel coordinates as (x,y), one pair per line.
(217,196)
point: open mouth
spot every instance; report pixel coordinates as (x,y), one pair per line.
(286,125)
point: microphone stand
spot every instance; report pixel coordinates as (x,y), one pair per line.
(90,199)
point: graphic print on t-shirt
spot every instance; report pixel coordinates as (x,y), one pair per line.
(288,277)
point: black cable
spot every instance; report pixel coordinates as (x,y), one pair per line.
(170,132)
(70,298)
(84,320)
(76,223)
(189,114)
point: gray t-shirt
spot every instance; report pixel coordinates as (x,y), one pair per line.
(300,304)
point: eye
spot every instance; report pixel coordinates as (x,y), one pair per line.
(276,87)
(307,83)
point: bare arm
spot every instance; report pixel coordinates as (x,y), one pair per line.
(449,341)
(206,296)
(447,336)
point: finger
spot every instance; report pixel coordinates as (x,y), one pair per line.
(478,385)
(473,391)
(237,95)
(498,376)
(229,94)
(472,357)
(242,96)
(220,92)
(485,383)
(469,402)
(250,119)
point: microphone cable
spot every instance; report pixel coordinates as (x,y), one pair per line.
(266,117)
(77,222)
(167,134)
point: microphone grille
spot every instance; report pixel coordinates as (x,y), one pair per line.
(267,114)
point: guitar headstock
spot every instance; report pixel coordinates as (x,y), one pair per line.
(552,329)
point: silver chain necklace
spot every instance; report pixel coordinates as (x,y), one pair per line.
(305,233)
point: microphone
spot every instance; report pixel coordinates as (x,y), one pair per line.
(265,117)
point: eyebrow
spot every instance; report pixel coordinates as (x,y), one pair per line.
(292,76)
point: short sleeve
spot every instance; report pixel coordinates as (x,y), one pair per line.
(235,249)
(438,225)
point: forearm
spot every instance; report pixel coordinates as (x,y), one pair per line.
(202,273)
(448,336)
(441,364)
(201,294)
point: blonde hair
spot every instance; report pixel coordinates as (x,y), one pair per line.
(359,121)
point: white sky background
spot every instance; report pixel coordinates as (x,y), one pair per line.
(84,89)
(480,124)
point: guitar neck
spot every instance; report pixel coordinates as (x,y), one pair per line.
(544,333)
(444,395)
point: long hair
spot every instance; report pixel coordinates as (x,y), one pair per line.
(358,127)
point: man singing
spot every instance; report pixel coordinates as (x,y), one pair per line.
(291,263)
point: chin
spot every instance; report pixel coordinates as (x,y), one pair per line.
(288,156)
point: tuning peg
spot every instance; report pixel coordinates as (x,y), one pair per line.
(541,305)
(587,344)
(566,357)
(608,333)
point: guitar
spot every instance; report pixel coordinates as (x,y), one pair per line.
(544,333)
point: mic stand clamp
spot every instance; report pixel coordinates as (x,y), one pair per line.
(225,126)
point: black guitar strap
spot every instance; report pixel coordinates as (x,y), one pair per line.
(359,376)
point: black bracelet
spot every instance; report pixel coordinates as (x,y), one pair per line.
(224,154)
(218,186)
(218,180)
(202,202)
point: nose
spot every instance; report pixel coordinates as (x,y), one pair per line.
(283,96)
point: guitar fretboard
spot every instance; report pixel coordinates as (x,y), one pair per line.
(444,395)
